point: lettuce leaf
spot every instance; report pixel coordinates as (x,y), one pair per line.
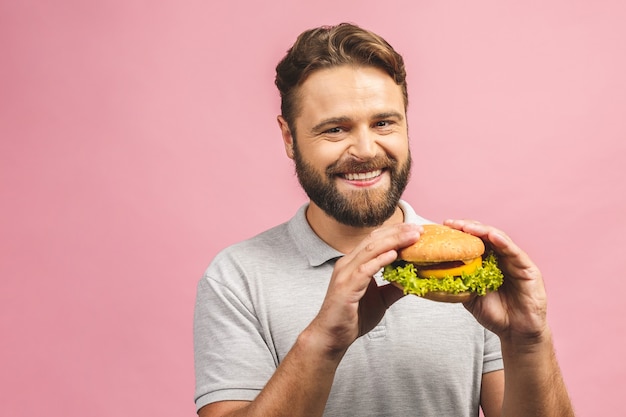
(487,277)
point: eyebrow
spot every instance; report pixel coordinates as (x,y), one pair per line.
(341,120)
(330,121)
(389,115)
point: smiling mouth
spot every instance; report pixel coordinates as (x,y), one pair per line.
(362,176)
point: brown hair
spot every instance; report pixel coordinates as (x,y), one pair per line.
(331,46)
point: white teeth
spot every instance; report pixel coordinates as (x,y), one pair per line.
(363,175)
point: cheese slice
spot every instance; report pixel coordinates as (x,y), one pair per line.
(469,267)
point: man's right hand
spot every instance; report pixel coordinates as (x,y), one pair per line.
(354,303)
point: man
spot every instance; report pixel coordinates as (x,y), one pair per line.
(294,322)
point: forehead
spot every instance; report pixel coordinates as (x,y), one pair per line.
(349,91)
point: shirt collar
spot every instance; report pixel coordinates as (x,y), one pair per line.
(309,244)
(319,252)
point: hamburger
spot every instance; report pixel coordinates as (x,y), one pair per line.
(445,265)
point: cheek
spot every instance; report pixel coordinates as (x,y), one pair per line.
(326,154)
(397,148)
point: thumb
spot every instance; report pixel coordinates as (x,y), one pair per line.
(390,294)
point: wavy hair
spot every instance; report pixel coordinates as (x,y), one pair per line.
(332,46)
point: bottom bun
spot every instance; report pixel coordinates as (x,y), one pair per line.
(447,297)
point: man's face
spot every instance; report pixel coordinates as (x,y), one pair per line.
(351,153)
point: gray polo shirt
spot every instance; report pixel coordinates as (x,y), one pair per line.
(423,359)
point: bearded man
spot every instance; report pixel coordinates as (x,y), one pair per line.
(296,322)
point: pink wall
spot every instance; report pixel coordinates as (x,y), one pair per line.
(138,138)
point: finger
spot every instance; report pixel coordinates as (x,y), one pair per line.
(395,237)
(488,233)
(377,250)
(368,269)
(380,247)
(499,241)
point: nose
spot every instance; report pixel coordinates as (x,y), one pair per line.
(363,145)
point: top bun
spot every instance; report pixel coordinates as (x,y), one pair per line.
(441,243)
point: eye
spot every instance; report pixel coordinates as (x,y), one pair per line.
(383,124)
(334,130)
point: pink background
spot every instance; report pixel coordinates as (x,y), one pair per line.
(138,138)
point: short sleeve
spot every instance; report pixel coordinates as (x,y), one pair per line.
(492,359)
(232,359)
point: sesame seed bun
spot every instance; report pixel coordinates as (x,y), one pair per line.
(441,243)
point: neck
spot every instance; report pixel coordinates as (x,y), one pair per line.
(338,235)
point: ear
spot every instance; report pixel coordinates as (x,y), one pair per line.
(287,137)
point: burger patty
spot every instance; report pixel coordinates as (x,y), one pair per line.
(431,265)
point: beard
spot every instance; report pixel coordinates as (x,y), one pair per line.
(357,208)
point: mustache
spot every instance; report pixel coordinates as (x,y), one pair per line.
(355,165)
